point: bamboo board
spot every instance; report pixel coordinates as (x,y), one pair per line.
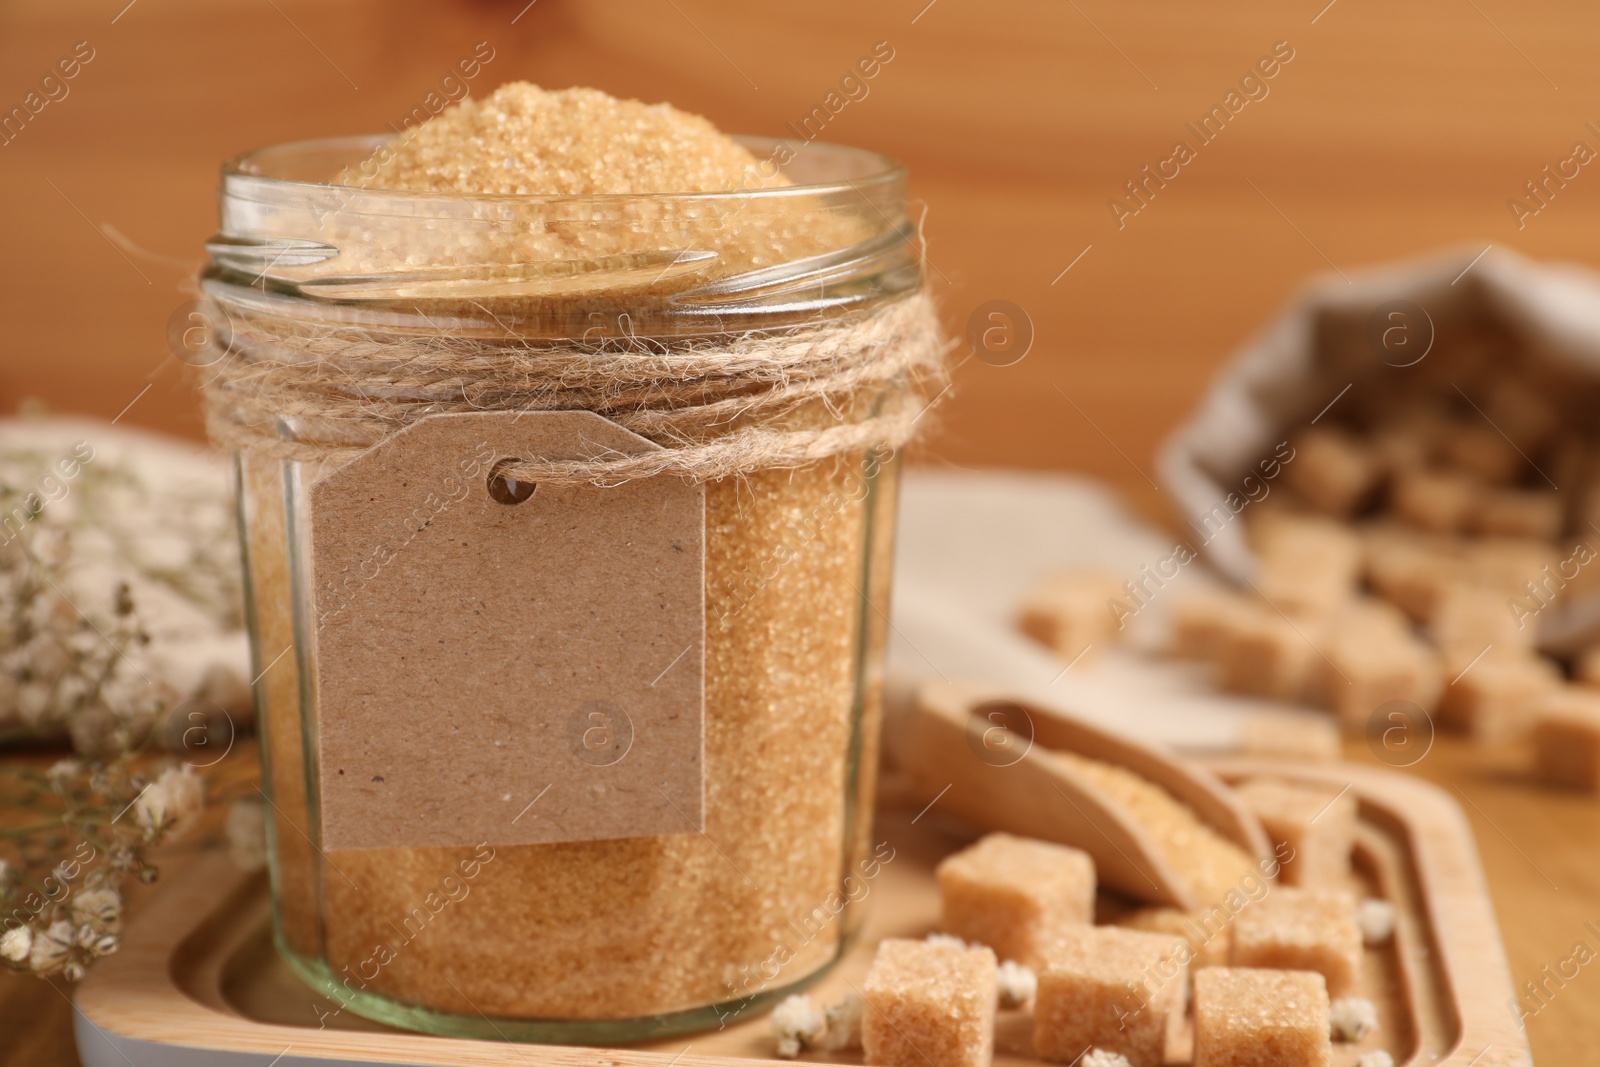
(197,981)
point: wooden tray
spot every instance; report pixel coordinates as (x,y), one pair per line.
(197,980)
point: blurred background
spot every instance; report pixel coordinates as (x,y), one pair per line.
(1031,129)
(1393,130)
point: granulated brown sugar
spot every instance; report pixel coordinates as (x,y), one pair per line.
(525,140)
(645,926)
(1210,864)
(615,929)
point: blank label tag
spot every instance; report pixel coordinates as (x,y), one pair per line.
(502,662)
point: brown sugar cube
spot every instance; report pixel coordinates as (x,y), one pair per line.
(1202,620)
(1302,930)
(1306,565)
(1072,611)
(1109,988)
(1507,564)
(1365,670)
(1357,628)
(1372,617)
(1013,894)
(1418,418)
(1304,586)
(1566,740)
(1267,655)
(1271,526)
(1478,449)
(1497,698)
(1435,500)
(1209,942)
(1468,618)
(1410,575)
(929,1005)
(1534,513)
(1260,1018)
(1400,447)
(1333,470)
(1317,825)
(1538,579)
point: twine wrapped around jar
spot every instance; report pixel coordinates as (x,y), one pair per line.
(717,406)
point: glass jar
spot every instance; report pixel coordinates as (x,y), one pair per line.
(630,937)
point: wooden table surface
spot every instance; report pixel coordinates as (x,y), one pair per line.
(1394,130)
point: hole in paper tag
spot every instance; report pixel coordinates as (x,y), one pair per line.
(505,489)
(511,674)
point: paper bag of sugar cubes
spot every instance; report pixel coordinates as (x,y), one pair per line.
(1401,474)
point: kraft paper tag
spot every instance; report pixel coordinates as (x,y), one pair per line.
(516,671)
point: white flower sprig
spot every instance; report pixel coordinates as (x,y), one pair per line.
(60,894)
(100,547)
(61,667)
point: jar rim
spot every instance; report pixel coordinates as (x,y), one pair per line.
(293,244)
(276,165)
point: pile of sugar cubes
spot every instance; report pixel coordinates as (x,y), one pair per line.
(1412,546)
(1271,977)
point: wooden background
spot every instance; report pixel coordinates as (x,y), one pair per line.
(1397,129)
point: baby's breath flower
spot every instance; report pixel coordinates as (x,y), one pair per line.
(99,910)
(797,1025)
(1376,919)
(50,948)
(1103,1057)
(16,944)
(61,770)
(53,613)
(1352,1018)
(947,940)
(1015,984)
(843,1024)
(169,804)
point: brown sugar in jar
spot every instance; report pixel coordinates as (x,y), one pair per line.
(555,222)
